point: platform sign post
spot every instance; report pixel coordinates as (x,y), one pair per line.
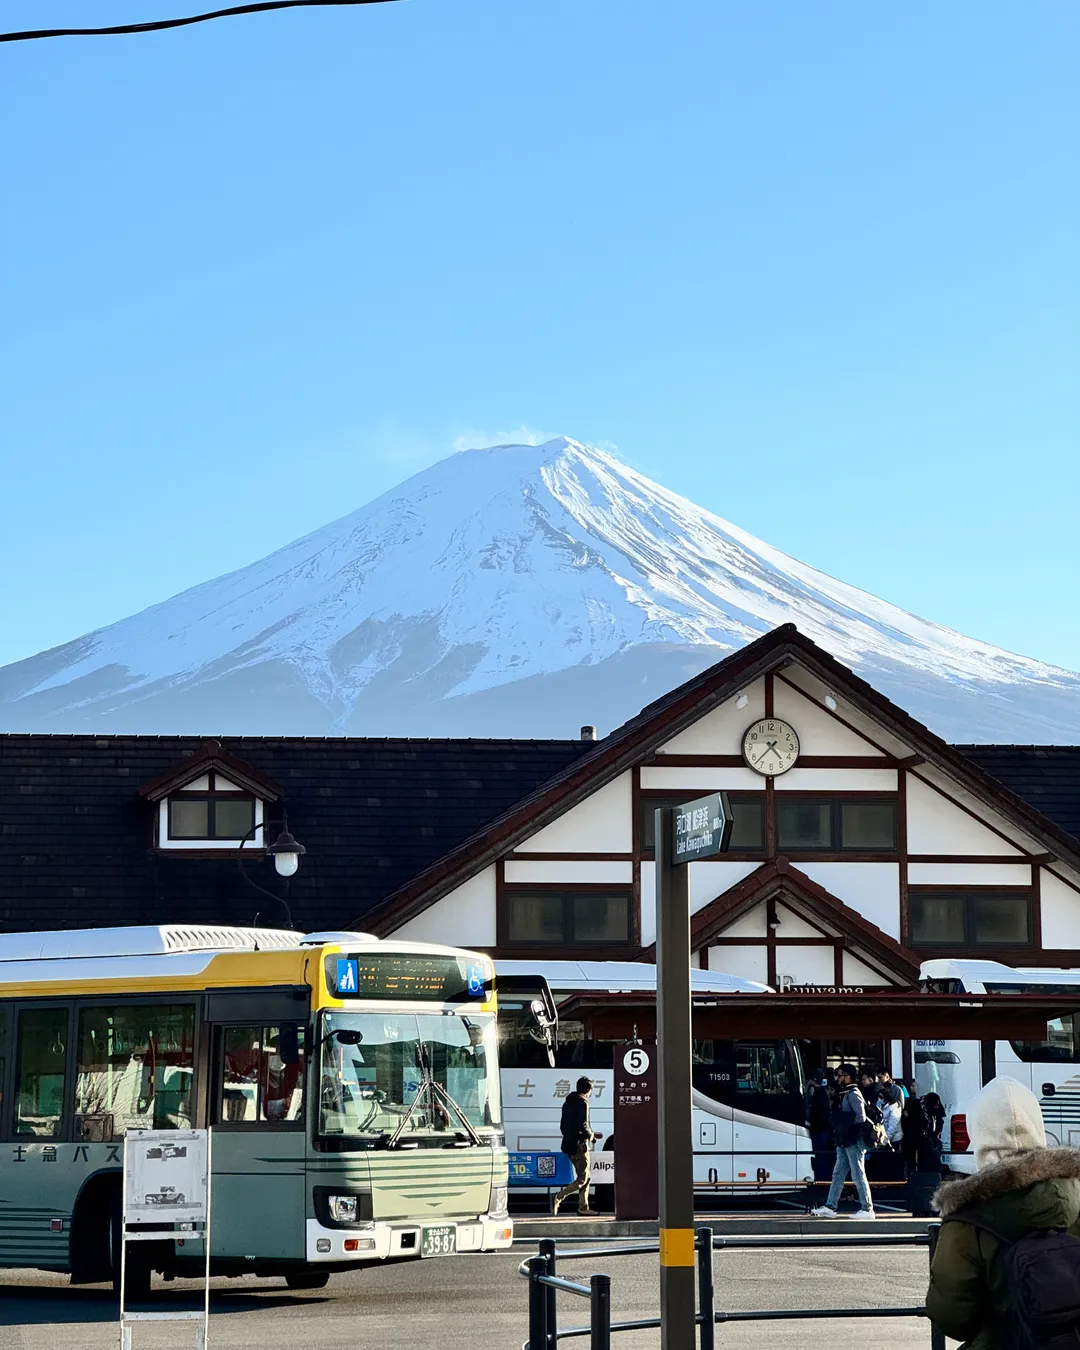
(166,1198)
(635,1108)
(694,830)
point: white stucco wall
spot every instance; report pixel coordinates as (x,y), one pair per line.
(602,823)
(648,904)
(711,879)
(1060,912)
(871,888)
(552,873)
(464,918)
(936,825)
(793,925)
(858,972)
(819,732)
(720,732)
(837,780)
(750,925)
(732,779)
(750,963)
(969,874)
(805,965)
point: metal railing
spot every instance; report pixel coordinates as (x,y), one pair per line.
(545,1284)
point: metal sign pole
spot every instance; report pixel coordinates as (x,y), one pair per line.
(676,1154)
(206,1241)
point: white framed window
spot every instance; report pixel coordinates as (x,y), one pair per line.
(211,812)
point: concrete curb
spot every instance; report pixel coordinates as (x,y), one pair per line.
(723,1225)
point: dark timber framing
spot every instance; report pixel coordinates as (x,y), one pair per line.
(640,741)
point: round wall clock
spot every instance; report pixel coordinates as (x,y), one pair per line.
(770,747)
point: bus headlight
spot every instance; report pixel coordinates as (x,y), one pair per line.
(345,1208)
(497,1204)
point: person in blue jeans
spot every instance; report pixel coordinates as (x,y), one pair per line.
(848,1118)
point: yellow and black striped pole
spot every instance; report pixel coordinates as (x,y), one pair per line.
(676,1161)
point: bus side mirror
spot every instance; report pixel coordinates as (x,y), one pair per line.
(543,1029)
(289,1043)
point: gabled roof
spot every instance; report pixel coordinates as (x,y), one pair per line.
(781,879)
(76,837)
(211,756)
(1045,776)
(636,739)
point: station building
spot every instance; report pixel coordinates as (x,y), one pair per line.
(862,845)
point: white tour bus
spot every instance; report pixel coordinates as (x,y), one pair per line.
(955,1070)
(749,1096)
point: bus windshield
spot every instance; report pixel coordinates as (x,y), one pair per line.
(368,1089)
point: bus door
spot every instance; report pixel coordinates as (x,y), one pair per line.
(770,1142)
(714,1102)
(256,1106)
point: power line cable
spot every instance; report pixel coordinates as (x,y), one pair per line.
(157,25)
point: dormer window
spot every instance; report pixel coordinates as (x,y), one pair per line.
(211,808)
(214,800)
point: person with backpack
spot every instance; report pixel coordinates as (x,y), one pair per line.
(850,1130)
(1006,1270)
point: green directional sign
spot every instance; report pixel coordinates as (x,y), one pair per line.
(702,828)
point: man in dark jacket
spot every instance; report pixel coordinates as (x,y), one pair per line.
(849,1118)
(577,1135)
(819,1112)
(1021,1186)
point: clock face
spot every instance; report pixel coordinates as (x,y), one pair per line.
(770,746)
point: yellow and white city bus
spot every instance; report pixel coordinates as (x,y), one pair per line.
(352,1087)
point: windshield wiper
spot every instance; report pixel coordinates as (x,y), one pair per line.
(439,1098)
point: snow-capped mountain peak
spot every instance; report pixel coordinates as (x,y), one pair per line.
(476,595)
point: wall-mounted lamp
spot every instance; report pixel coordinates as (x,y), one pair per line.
(830,702)
(741,701)
(772,918)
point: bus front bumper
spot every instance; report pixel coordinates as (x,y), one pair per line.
(379,1241)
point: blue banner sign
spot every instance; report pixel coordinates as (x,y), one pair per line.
(540,1169)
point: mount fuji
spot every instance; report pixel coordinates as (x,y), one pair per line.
(513,591)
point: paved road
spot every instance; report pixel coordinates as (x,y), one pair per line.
(480,1301)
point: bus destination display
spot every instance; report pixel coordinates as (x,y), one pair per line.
(416,978)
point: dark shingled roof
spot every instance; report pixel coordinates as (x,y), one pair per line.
(1046,776)
(76,836)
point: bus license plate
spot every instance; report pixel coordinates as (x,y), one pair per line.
(438,1241)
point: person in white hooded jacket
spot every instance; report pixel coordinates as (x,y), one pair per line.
(1020,1186)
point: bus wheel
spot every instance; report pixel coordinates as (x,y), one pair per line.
(308,1279)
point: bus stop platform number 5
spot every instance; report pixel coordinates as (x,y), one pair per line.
(636,1062)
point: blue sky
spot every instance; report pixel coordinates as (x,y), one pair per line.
(815,266)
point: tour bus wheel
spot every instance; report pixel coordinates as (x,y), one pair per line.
(308,1279)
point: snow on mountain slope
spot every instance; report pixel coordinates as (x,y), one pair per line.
(513,590)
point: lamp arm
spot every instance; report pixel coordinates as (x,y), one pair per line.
(278,900)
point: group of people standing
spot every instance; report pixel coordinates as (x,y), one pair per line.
(853,1111)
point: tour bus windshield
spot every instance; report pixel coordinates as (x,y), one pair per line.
(410,1071)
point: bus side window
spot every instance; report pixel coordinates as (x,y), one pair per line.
(714,1070)
(261,1075)
(579,1051)
(518,1047)
(764,1068)
(134,1068)
(5,1031)
(1060,1045)
(41,1066)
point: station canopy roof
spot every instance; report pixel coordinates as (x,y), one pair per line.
(888,1014)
